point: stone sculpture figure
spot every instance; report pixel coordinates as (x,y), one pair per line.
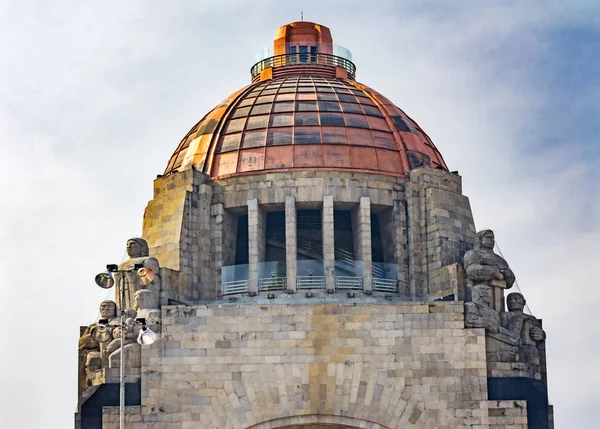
(92,351)
(501,344)
(527,327)
(138,252)
(143,308)
(143,304)
(483,266)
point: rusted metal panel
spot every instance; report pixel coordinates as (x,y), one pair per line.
(279,157)
(389,160)
(251,159)
(308,155)
(336,156)
(225,163)
(364,158)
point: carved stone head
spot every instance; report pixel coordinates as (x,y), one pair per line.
(485,240)
(482,295)
(137,247)
(142,299)
(108,309)
(515,301)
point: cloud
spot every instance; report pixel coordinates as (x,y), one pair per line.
(96,97)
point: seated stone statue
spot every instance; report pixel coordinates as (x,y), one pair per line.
(93,352)
(138,252)
(483,266)
(143,304)
(131,347)
(527,327)
(500,343)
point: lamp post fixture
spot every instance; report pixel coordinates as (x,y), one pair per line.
(106,280)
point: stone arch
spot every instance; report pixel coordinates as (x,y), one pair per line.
(317,421)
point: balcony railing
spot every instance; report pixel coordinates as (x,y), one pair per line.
(385,277)
(304,58)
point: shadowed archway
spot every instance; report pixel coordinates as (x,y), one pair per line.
(318,422)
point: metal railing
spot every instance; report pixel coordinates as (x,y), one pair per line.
(304,59)
(348,283)
(385,285)
(310,282)
(233,287)
(272,283)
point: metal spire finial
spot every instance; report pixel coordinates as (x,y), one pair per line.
(301,15)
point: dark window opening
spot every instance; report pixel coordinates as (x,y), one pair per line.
(344,245)
(309,235)
(275,245)
(241,249)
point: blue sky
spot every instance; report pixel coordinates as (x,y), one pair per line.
(95,97)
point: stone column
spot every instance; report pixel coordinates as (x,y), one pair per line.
(363,240)
(256,243)
(328,243)
(290,243)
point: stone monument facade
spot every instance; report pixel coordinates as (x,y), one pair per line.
(309,261)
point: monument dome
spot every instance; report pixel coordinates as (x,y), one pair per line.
(305,111)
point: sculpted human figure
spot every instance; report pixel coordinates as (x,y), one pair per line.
(483,266)
(500,343)
(527,327)
(138,252)
(93,352)
(143,304)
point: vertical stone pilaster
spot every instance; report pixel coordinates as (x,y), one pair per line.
(364,249)
(256,243)
(290,242)
(328,242)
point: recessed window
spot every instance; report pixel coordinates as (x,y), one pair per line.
(346,97)
(246,102)
(260,109)
(279,136)
(285,97)
(306,118)
(234,125)
(255,122)
(372,110)
(329,106)
(324,89)
(327,97)
(254,139)
(334,135)
(328,118)
(307,96)
(307,135)
(230,142)
(306,105)
(240,112)
(265,99)
(351,108)
(281,120)
(359,121)
(284,107)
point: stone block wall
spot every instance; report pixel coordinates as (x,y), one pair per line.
(440,229)
(391,365)
(175,227)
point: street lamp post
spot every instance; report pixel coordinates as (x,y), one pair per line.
(106,280)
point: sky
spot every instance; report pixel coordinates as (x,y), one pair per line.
(95,96)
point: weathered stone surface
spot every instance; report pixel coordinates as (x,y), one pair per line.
(483,266)
(391,365)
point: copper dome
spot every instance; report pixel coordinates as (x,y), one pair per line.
(305,113)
